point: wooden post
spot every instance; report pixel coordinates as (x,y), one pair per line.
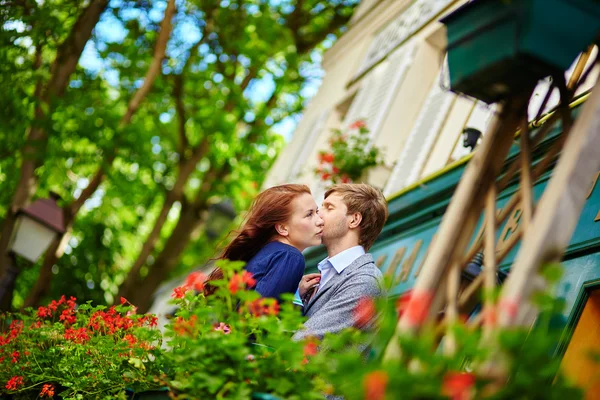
(461,217)
(557,211)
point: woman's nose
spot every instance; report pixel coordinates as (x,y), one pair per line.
(320,221)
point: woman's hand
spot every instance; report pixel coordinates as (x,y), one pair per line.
(308,281)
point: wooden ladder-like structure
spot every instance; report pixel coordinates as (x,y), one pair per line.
(545,229)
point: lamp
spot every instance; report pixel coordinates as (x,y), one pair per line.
(220,215)
(471,137)
(475,267)
(36,227)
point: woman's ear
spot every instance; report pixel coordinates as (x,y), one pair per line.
(282,230)
(355,220)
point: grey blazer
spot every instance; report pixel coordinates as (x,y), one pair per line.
(331,308)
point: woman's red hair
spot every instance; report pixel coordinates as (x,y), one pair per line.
(271,207)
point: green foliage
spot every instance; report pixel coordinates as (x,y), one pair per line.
(78,352)
(233,72)
(234,343)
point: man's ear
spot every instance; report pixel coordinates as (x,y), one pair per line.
(282,230)
(355,220)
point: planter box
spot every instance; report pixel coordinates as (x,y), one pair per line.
(499,48)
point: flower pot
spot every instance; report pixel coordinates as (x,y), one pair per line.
(498,48)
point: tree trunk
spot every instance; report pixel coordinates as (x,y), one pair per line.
(42,285)
(141,293)
(63,66)
(176,194)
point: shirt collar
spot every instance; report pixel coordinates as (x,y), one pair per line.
(341,260)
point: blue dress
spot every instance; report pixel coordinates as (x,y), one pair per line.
(277,268)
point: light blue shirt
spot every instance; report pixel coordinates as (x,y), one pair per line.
(338,263)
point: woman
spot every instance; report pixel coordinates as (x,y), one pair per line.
(281,223)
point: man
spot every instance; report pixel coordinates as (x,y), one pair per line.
(353,215)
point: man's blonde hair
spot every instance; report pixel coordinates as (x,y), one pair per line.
(369,202)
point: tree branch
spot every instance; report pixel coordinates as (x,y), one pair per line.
(70,50)
(180,111)
(155,67)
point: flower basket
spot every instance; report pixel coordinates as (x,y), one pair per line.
(498,48)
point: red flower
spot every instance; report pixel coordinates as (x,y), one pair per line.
(222,327)
(402,302)
(346,179)
(14,383)
(68,316)
(310,349)
(418,307)
(375,384)
(130,339)
(364,312)
(123,301)
(15,357)
(260,307)
(44,312)
(196,281)
(358,124)
(248,279)
(79,335)
(238,281)
(47,391)
(185,327)
(179,292)
(325,176)
(458,385)
(328,158)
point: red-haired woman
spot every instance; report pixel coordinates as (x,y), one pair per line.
(281,222)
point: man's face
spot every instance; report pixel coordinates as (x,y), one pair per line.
(334,213)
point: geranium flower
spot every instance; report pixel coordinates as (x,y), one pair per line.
(179,292)
(239,281)
(196,280)
(418,307)
(310,348)
(14,383)
(375,384)
(358,124)
(364,312)
(458,385)
(47,391)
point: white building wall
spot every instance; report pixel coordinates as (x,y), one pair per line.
(386,67)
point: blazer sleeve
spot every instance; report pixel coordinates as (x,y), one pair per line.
(283,274)
(337,313)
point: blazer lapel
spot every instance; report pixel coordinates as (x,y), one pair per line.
(359,262)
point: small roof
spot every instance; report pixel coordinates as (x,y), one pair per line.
(46,212)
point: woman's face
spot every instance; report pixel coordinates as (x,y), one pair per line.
(305,226)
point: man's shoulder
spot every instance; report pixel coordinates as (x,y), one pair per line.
(365,266)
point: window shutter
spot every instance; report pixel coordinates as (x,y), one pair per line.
(396,69)
(378,90)
(421,138)
(308,145)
